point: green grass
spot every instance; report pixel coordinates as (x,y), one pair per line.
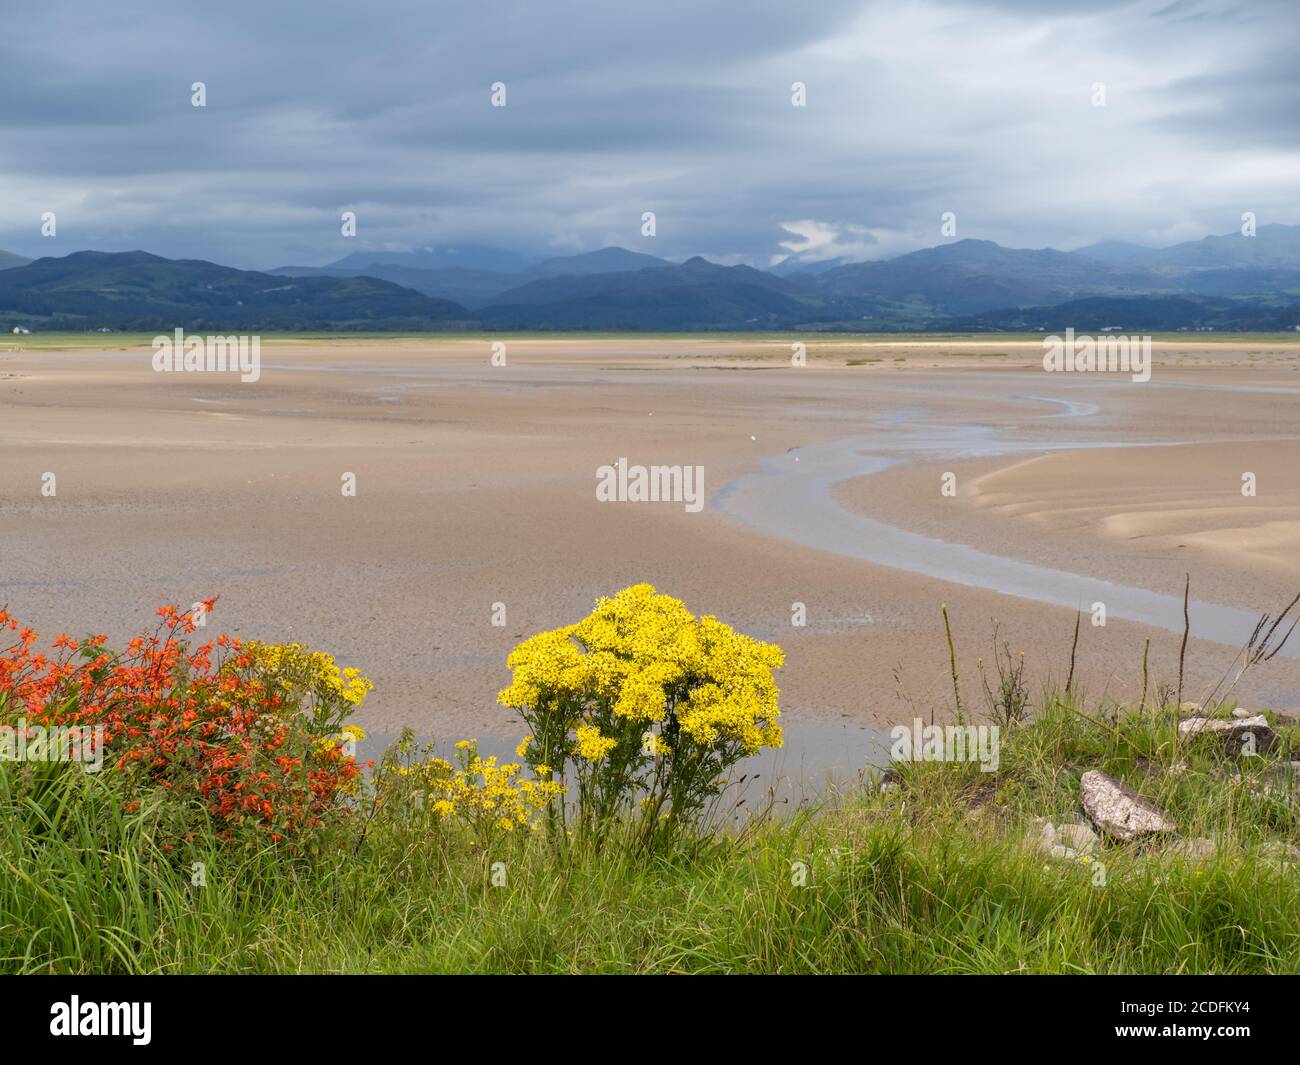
(933,876)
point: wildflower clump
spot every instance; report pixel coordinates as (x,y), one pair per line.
(487,796)
(311,681)
(642,698)
(217,735)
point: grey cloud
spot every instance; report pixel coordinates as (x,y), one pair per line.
(674,106)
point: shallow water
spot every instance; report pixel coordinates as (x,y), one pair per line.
(790,496)
(816,757)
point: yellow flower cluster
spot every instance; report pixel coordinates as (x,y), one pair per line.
(481,791)
(293,666)
(330,744)
(591,745)
(655,745)
(648,656)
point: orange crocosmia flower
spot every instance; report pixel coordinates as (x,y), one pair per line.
(176,720)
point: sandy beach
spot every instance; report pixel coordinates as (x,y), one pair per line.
(476,485)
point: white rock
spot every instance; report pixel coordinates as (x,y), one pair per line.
(1240,735)
(1040,835)
(1081,838)
(1190,726)
(1047,839)
(1119,811)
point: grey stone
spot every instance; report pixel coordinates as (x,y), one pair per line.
(1080,838)
(1040,835)
(1193,725)
(1120,812)
(1047,839)
(1241,735)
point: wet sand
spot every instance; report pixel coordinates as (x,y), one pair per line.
(476,486)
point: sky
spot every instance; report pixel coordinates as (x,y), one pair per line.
(684,108)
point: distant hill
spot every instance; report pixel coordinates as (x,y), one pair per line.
(684,308)
(1274,247)
(605,261)
(136,290)
(1223,283)
(440,257)
(469,286)
(1243,281)
(1132,314)
(472,288)
(694,271)
(793,264)
(8,260)
(970,276)
(695,295)
(1115,251)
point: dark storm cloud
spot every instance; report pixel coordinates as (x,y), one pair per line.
(682,108)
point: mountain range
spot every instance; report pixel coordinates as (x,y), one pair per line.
(1221,282)
(138,291)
